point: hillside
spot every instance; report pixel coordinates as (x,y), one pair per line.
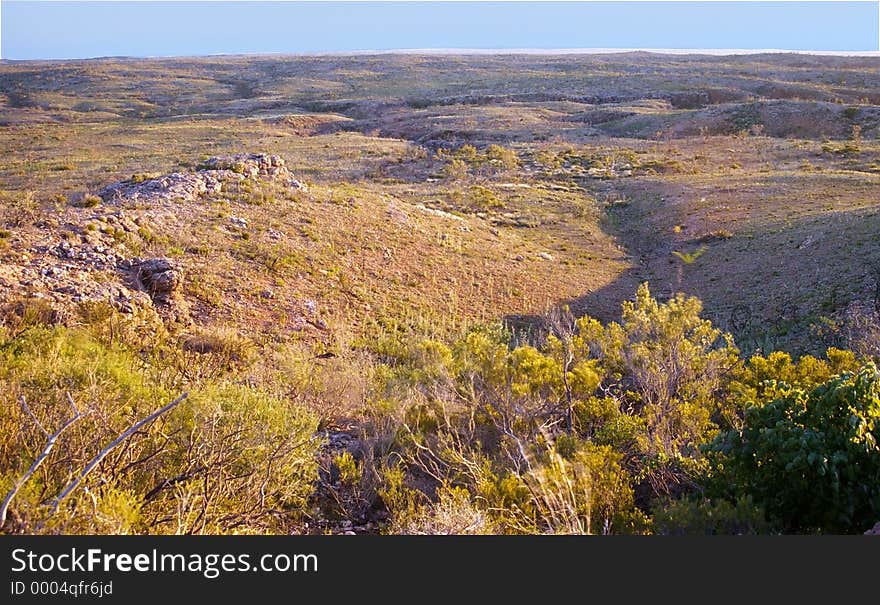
(759,141)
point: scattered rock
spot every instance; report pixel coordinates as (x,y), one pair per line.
(64,274)
(545,255)
(93,253)
(341,440)
(254,166)
(440,213)
(238,222)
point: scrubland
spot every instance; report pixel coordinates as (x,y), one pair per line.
(599,294)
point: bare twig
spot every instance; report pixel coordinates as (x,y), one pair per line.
(72,404)
(27,409)
(50,443)
(103,453)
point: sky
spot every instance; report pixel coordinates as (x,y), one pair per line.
(68,30)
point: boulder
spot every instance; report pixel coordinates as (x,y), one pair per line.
(160,277)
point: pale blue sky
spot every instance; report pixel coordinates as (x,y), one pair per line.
(40,30)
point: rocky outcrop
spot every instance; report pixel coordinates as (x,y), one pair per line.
(73,266)
(210,178)
(174,187)
(63,277)
(249,165)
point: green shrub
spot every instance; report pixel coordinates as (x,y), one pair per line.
(810,456)
(502,158)
(89,201)
(669,365)
(763,379)
(455,169)
(587,492)
(624,405)
(453,513)
(483,198)
(23,313)
(696,516)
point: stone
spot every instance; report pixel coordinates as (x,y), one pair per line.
(160,277)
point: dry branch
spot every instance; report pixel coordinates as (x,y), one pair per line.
(50,443)
(103,453)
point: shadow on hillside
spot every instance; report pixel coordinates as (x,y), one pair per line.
(782,289)
(603,304)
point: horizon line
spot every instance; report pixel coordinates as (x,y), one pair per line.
(481,51)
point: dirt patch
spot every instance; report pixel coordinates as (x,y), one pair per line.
(307,125)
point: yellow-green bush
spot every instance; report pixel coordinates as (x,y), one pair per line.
(229,458)
(557,435)
(763,379)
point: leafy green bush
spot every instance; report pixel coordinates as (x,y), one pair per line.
(810,456)
(763,379)
(697,516)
